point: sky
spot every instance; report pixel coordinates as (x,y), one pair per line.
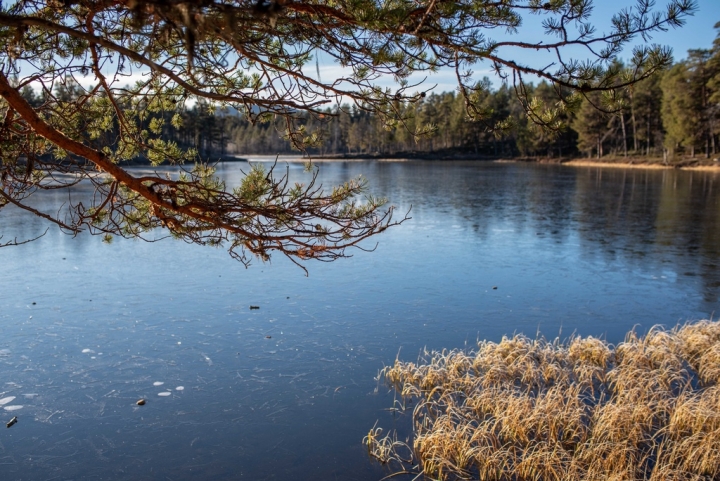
(698,32)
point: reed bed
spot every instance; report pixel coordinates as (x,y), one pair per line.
(530,409)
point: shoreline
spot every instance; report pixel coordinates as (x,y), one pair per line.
(613,162)
(704,165)
(621,164)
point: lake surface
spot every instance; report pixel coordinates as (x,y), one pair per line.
(288,391)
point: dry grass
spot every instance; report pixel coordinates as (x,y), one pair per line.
(525,409)
(618,164)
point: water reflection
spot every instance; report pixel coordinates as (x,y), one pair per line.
(667,218)
(287,391)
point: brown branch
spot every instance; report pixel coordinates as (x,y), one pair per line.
(15,242)
(73,229)
(42,128)
(216,212)
(14,20)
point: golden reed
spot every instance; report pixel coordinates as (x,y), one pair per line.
(530,409)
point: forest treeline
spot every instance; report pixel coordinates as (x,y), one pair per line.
(673,114)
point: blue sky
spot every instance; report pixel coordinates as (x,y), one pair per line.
(698,32)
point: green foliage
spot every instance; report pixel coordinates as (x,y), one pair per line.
(200,63)
(677,108)
(592,126)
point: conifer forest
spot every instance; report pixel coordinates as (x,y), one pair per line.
(673,115)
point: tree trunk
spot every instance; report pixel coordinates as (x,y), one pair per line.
(707,146)
(634,128)
(624,133)
(599,147)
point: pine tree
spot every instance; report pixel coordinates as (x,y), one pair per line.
(713,86)
(645,103)
(592,126)
(680,112)
(259,58)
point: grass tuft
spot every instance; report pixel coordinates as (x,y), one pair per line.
(529,409)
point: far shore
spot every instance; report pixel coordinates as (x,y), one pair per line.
(656,164)
(653,163)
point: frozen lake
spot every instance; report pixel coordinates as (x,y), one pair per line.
(287,391)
